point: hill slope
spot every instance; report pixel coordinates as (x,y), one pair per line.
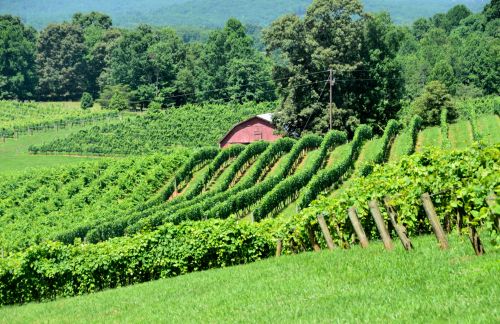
(322,287)
(211,13)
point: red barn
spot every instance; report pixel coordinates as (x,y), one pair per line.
(257,128)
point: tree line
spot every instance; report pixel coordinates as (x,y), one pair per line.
(379,67)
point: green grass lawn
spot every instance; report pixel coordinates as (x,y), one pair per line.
(429,137)
(368,152)
(489,128)
(398,147)
(370,286)
(338,154)
(460,134)
(14,155)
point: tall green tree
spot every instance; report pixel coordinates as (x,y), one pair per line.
(17,59)
(455,15)
(429,104)
(61,62)
(492,10)
(92,19)
(99,38)
(377,85)
(144,56)
(329,36)
(337,35)
(232,67)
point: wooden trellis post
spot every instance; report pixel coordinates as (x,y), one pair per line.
(434,220)
(279,247)
(314,244)
(475,240)
(379,221)
(400,229)
(326,232)
(353,216)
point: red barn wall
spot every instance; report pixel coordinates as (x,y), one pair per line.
(252,130)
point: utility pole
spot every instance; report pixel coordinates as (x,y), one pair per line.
(331,80)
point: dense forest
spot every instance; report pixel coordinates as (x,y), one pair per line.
(379,67)
(211,13)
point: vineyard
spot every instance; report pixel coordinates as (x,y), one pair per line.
(190,126)
(328,166)
(18,118)
(116,222)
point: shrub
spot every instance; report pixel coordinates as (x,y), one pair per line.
(118,102)
(430,103)
(87,101)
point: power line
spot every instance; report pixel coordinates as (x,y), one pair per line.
(258,83)
(247,85)
(319,98)
(229,87)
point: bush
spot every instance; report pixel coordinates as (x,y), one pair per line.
(459,182)
(87,101)
(109,91)
(52,269)
(430,103)
(118,102)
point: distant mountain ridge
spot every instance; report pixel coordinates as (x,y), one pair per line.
(207,13)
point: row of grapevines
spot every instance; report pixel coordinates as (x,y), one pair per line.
(189,126)
(383,148)
(293,184)
(327,177)
(156,215)
(51,269)
(459,182)
(182,177)
(405,142)
(19,117)
(224,158)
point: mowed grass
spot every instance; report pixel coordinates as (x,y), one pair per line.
(14,155)
(489,128)
(460,134)
(368,152)
(355,286)
(428,138)
(399,146)
(338,154)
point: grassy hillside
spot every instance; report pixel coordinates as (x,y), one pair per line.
(206,233)
(23,125)
(15,157)
(259,180)
(190,126)
(212,13)
(355,285)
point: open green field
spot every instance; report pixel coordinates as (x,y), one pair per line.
(460,134)
(15,157)
(355,285)
(489,128)
(368,152)
(428,138)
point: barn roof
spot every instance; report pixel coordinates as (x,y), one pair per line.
(268,117)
